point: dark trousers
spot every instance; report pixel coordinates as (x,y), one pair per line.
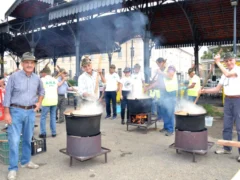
(231,115)
(111,96)
(124,104)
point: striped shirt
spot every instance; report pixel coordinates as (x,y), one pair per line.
(23,90)
(62,90)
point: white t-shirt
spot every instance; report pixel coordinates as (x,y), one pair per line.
(126,83)
(137,83)
(112,81)
(231,85)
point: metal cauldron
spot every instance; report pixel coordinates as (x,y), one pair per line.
(141,105)
(190,122)
(82,125)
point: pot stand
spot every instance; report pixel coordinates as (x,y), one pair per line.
(145,125)
(85,158)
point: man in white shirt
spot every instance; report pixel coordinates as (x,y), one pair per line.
(88,82)
(230,80)
(138,81)
(111,89)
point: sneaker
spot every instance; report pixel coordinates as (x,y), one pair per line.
(238,159)
(12,175)
(222,151)
(122,122)
(42,136)
(168,133)
(162,130)
(54,135)
(114,117)
(30,165)
(108,116)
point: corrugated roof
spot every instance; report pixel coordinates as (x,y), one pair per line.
(18,2)
(81,7)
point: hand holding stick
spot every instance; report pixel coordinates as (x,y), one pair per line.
(216,58)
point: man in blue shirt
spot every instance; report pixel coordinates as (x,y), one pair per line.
(24,95)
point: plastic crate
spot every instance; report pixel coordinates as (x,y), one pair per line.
(4,145)
(5,159)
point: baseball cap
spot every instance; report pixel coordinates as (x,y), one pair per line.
(171,68)
(190,70)
(127,69)
(159,60)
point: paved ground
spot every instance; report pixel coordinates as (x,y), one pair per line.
(134,156)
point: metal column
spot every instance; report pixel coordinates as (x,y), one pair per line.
(235,32)
(196,50)
(77,46)
(146,56)
(110,59)
(2,55)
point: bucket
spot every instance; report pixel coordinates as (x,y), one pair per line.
(208,121)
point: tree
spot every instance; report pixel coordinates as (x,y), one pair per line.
(213,50)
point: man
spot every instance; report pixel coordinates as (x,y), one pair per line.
(62,94)
(88,82)
(24,94)
(230,80)
(125,90)
(49,103)
(168,85)
(138,81)
(111,89)
(193,86)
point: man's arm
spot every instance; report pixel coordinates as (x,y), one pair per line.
(41,93)
(223,69)
(7,100)
(191,86)
(211,90)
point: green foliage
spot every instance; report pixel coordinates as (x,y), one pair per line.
(212,110)
(72,82)
(211,52)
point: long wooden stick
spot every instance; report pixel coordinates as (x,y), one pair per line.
(228,143)
(97,78)
(3,141)
(206,80)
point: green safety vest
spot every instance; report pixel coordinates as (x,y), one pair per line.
(50,86)
(171,84)
(194,91)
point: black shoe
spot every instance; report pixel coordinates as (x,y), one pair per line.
(54,135)
(114,117)
(123,122)
(42,136)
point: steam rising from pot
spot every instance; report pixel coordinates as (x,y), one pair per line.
(189,107)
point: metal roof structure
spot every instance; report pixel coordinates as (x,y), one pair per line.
(56,27)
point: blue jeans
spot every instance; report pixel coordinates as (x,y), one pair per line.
(22,123)
(45,110)
(231,115)
(167,104)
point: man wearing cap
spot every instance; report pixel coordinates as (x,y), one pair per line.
(88,82)
(125,89)
(111,89)
(193,86)
(168,84)
(230,80)
(49,102)
(24,94)
(62,94)
(138,81)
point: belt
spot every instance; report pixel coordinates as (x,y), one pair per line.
(61,95)
(24,107)
(237,96)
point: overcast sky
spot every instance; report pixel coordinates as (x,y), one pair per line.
(5,5)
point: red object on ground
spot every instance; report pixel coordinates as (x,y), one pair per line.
(1,105)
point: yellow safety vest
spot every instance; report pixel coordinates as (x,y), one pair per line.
(171,84)
(194,91)
(154,93)
(50,86)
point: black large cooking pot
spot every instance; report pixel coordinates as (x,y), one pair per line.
(83,125)
(190,122)
(143,105)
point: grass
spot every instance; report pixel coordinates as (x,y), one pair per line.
(212,110)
